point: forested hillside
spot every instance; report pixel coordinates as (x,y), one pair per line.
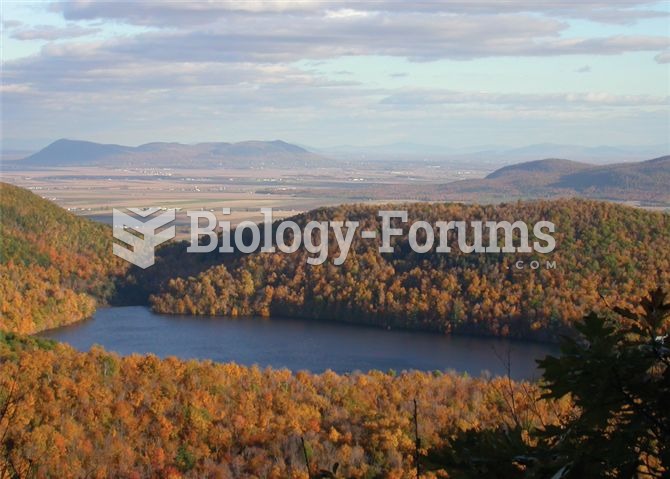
(69,415)
(54,266)
(599,412)
(604,252)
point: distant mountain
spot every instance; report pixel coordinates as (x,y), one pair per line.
(541,168)
(652,175)
(591,154)
(75,153)
(645,181)
(494,154)
(279,154)
(245,154)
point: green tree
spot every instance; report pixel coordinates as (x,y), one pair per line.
(618,375)
(617,372)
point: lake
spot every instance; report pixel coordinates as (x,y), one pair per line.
(298,344)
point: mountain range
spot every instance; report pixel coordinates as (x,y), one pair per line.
(279,153)
(643,181)
(245,154)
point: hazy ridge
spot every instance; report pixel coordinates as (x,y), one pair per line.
(275,153)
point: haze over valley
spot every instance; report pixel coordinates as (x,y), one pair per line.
(90,179)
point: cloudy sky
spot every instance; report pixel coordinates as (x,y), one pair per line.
(324,73)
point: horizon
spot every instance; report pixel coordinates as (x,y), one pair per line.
(344,147)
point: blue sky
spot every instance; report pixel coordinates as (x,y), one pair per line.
(450,73)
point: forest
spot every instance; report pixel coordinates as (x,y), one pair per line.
(604,253)
(599,411)
(54,266)
(57,268)
(68,414)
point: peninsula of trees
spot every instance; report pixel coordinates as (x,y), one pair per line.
(604,253)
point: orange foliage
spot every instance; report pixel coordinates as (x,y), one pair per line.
(69,415)
(602,249)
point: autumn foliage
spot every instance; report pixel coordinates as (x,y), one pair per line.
(68,415)
(54,266)
(603,250)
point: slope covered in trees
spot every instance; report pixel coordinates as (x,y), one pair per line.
(54,266)
(599,412)
(617,372)
(69,415)
(603,251)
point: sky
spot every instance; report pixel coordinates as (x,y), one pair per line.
(325,73)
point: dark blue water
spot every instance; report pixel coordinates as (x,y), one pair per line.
(298,344)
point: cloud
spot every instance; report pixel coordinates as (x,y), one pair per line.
(10,24)
(248,57)
(234,63)
(50,33)
(418,37)
(154,12)
(417,97)
(584,69)
(282,32)
(663,57)
(231,33)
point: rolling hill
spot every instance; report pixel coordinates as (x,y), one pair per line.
(245,154)
(601,249)
(54,266)
(652,175)
(540,168)
(645,181)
